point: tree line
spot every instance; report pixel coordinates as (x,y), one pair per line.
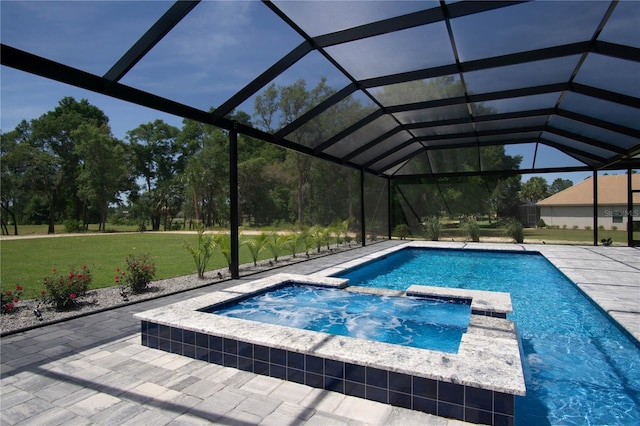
(67,166)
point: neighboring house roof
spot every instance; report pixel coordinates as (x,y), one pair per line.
(612,189)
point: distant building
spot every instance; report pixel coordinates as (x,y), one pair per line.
(574,206)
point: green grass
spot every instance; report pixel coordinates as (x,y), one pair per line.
(573,235)
(26,262)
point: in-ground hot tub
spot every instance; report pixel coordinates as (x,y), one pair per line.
(476,384)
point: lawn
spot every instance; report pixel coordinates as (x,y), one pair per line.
(26,262)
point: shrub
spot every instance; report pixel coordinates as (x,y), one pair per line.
(139,272)
(541,223)
(202,253)
(601,228)
(574,227)
(564,226)
(515,230)
(471,229)
(72,225)
(614,228)
(587,228)
(432,228)
(9,299)
(401,231)
(63,289)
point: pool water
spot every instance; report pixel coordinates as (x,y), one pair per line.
(579,367)
(408,321)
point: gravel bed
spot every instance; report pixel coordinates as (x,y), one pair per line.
(23,317)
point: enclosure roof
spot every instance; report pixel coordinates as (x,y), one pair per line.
(423,88)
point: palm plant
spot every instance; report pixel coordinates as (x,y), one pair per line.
(306,240)
(344,228)
(292,242)
(203,251)
(275,243)
(255,245)
(223,242)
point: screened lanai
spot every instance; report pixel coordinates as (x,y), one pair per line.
(422,92)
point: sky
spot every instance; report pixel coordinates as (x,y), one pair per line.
(212,54)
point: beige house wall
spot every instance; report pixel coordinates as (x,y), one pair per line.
(582,216)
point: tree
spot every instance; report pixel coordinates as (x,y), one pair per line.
(505,197)
(206,175)
(103,173)
(558,185)
(15,153)
(52,134)
(277,107)
(155,157)
(534,190)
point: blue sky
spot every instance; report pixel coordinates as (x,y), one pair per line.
(208,51)
(212,54)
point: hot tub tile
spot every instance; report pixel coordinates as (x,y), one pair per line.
(202,340)
(261,353)
(278,371)
(334,368)
(230,346)
(355,373)
(314,364)
(230,360)
(425,388)
(278,356)
(425,405)
(313,380)
(377,377)
(400,399)
(245,349)
(452,411)
(478,416)
(295,375)
(295,360)
(400,382)
(479,398)
(215,343)
(377,394)
(333,384)
(451,392)
(504,403)
(164,331)
(245,364)
(354,389)
(260,367)
(215,357)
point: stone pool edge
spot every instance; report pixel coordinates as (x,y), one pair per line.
(488,356)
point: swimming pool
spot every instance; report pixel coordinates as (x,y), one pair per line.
(579,367)
(408,321)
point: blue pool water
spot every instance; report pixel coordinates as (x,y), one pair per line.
(580,369)
(408,321)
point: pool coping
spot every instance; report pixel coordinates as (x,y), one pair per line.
(488,357)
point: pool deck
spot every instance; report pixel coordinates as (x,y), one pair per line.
(94,370)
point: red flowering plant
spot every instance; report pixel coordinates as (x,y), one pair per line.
(63,289)
(140,271)
(9,299)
